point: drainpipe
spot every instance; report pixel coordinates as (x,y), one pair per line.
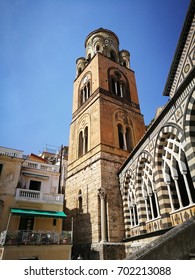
(60,171)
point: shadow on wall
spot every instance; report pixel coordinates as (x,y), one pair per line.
(80,224)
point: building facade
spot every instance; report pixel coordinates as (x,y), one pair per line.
(157,181)
(31,212)
(106,125)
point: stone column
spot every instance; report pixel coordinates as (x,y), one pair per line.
(102,195)
(187,187)
(170,196)
(121,90)
(124,140)
(178,192)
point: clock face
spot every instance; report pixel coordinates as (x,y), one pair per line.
(106,41)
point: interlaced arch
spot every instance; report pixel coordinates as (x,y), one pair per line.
(132,200)
(149,192)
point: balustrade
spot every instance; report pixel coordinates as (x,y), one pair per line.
(11,152)
(31,195)
(41,166)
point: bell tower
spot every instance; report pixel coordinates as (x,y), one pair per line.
(106,125)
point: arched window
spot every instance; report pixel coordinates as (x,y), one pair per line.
(83,142)
(176,174)
(132,203)
(85,94)
(81,97)
(117,84)
(125,137)
(113,56)
(79,70)
(113,85)
(88,89)
(85,91)
(129,139)
(80,143)
(89,57)
(80,202)
(120,136)
(86,139)
(149,192)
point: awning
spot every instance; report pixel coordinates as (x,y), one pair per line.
(31,212)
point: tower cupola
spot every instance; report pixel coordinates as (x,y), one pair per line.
(103,41)
(106,42)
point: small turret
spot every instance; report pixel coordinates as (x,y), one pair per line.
(124,57)
(80,65)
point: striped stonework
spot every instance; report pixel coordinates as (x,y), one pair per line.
(161,168)
(190,132)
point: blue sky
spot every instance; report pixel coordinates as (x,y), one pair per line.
(40,41)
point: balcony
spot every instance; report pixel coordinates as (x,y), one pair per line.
(40,197)
(40,166)
(11,152)
(35,237)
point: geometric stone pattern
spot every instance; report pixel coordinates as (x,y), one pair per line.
(168,146)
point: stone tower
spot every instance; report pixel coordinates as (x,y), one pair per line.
(106,125)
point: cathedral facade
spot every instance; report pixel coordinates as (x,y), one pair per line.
(157,181)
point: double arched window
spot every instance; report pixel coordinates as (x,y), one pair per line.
(85,92)
(118,84)
(83,142)
(117,87)
(85,89)
(125,138)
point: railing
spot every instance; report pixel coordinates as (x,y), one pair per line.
(34,237)
(40,166)
(37,196)
(10,152)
